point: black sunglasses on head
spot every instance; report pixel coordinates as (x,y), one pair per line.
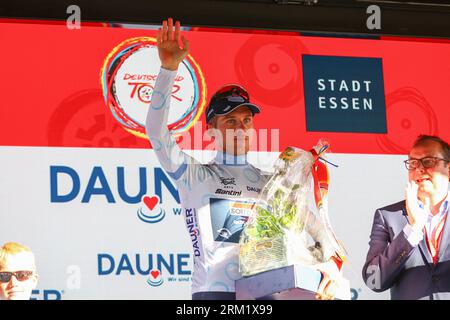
(231,90)
(5,276)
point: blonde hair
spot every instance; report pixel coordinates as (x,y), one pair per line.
(13,248)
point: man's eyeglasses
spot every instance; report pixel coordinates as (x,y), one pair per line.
(5,276)
(427,162)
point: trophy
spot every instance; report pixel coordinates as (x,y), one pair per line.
(287,247)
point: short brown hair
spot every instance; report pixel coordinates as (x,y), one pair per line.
(424,139)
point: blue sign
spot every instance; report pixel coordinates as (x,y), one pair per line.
(344,94)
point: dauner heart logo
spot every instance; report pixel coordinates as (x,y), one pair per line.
(155,279)
(150,210)
(151,202)
(155,274)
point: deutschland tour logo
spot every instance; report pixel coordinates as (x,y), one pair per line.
(128,77)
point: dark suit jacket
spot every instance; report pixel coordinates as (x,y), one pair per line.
(393,263)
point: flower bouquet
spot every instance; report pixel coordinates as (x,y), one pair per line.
(283,230)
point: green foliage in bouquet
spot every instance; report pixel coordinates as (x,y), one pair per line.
(273,221)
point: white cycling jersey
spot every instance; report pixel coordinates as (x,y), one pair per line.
(216,198)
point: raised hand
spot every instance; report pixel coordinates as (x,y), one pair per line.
(417,216)
(168,41)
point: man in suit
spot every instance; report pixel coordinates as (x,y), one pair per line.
(409,249)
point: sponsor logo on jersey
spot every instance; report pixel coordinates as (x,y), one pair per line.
(228,218)
(229,192)
(227,181)
(254,189)
(191,224)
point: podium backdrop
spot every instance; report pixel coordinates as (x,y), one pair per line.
(78,177)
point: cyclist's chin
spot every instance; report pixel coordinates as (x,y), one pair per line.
(239,148)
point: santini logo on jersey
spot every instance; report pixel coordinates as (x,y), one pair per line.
(228,192)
